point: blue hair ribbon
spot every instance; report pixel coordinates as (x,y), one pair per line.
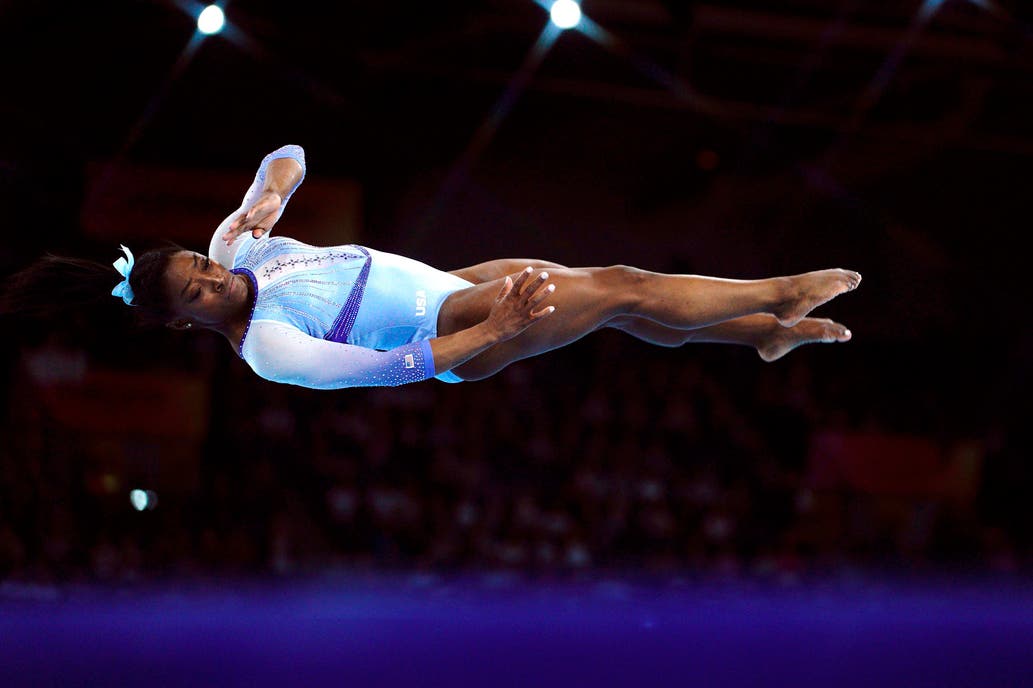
(124,267)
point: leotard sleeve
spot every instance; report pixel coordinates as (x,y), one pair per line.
(217,248)
(281,353)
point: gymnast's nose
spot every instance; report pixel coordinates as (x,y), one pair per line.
(215,283)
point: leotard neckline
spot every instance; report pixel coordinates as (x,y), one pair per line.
(254,283)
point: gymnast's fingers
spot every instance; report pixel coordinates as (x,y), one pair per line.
(542,294)
(518,283)
(234,226)
(535,285)
(547,311)
(256,215)
(506,287)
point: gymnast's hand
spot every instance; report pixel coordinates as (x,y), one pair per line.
(513,310)
(258,220)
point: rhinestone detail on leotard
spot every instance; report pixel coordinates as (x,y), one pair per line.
(303,285)
(342,326)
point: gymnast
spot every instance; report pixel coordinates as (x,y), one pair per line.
(345,316)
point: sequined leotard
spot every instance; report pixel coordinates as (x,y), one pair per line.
(333,317)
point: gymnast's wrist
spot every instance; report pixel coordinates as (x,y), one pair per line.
(489,335)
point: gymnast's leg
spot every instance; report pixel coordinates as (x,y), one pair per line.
(760,331)
(585,298)
(495,269)
(692,301)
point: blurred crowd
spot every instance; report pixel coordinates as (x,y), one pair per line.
(608,455)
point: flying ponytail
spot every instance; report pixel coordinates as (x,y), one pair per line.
(54,286)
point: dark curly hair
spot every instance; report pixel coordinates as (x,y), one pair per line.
(54,285)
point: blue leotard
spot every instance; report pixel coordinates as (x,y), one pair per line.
(339,316)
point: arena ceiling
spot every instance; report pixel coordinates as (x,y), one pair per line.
(120,74)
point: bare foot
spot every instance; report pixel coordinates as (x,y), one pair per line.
(806,292)
(782,340)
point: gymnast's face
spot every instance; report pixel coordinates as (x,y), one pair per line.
(202,293)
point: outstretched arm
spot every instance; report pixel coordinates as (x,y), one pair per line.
(496,269)
(277,178)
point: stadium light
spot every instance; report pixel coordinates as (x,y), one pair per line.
(211,20)
(566,14)
(143,500)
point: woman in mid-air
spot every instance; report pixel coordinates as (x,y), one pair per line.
(343,316)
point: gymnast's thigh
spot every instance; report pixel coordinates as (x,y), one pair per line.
(585,298)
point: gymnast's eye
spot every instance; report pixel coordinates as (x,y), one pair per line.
(207,263)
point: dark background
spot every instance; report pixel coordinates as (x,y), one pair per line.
(738,139)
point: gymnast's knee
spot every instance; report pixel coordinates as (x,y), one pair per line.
(623,286)
(623,276)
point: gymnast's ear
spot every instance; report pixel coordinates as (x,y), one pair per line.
(179,324)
